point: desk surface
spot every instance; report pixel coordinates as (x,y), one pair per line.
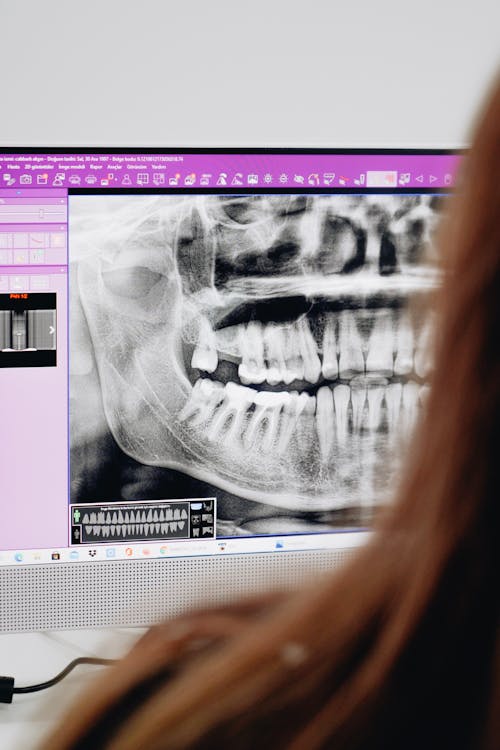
(35,657)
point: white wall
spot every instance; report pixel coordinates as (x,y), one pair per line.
(254,72)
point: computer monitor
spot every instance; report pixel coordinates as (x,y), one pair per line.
(208,368)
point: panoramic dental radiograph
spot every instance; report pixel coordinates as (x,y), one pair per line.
(259,349)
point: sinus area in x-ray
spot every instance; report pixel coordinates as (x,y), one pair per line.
(256,349)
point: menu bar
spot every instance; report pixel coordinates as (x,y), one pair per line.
(229,171)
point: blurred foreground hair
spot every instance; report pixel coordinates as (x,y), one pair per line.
(400,649)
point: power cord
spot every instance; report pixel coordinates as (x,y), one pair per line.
(7,689)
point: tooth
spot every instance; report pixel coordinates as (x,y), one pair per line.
(341,395)
(294,363)
(120,517)
(149,517)
(155,516)
(164,528)
(105,531)
(100,517)
(273,347)
(251,369)
(184,514)
(305,433)
(93,518)
(358,398)
(393,403)
(291,414)
(205,353)
(97,530)
(309,351)
(143,517)
(324,421)
(202,402)
(169,515)
(86,518)
(112,527)
(380,353)
(268,407)
(409,405)
(403,363)
(181,525)
(350,346)
(423,350)
(374,396)
(177,514)
(237,399)
(228,342)
(162,515)
(423,394)
(124,529)
(330,367)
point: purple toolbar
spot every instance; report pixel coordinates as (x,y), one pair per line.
(229,170)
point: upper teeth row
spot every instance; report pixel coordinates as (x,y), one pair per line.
(282,354)
(268,420)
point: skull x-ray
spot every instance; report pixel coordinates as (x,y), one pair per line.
(257,349)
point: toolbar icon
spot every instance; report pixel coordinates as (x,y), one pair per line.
(448,179)
(159,178)
(42,179)
(59,179)
(404,178)
(222,179)
(91,179)
(190,179)
(237,179)
(26,179)
(419,178)
(174,181)
(343,180)
(328,177)
(299,179)
(9,180)
(283,178)
(253,179)
(126,180)
(268,178)
(205,179)
(142,178)
(75,179)
(313,178)
(359,180)
(55,556)
(129,551)
(432,179)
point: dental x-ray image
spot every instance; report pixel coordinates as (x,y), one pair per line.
(258,349)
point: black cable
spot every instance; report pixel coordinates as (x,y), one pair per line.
(7,689)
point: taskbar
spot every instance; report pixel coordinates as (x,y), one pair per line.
(188,548)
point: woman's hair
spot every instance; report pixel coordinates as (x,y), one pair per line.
(399,649)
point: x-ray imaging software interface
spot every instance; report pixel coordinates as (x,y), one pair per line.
(209,351)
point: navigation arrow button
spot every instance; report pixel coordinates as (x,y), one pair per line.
(420,178)
(432,178)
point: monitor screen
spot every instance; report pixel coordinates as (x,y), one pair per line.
(205,351)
